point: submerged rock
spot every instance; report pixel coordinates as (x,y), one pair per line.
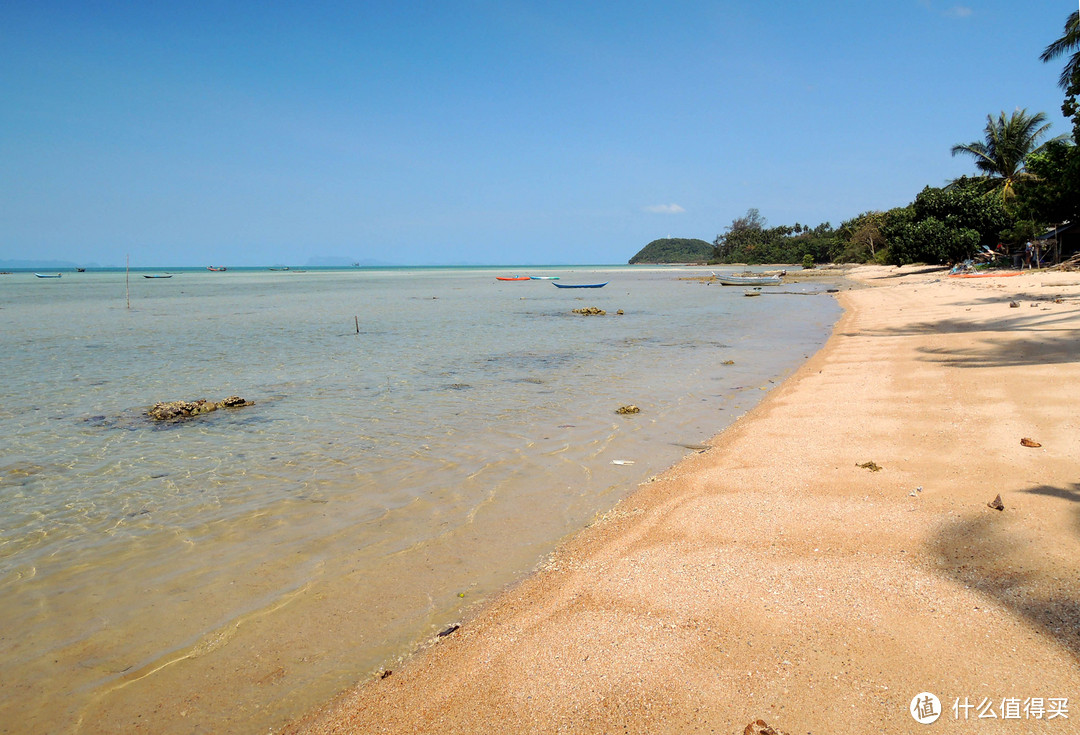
(177,410)
(628,409)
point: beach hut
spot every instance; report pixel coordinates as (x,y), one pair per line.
(1060,242)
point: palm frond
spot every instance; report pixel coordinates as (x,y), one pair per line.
(1070,40)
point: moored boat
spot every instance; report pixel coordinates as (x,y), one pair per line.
(48,275)
(512,278)
(216,268)
(544,278)
(158,275)
(763,280)
(579,285)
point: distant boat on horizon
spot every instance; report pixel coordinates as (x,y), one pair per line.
(216,268)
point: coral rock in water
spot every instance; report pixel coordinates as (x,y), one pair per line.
(175,410)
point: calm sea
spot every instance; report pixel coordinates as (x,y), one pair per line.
(227,573)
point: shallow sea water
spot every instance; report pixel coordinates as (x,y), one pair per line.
(230,572)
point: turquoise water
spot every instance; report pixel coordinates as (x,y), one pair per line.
(419,439)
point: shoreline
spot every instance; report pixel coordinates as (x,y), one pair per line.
(772,577)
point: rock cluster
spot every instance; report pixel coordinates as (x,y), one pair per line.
(628,409)
(591,311)
(175,410)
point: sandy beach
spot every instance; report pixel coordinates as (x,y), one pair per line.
(829,557)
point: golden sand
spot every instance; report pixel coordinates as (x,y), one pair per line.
(779,576)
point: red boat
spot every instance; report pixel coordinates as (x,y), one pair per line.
(212,268)
(515,278)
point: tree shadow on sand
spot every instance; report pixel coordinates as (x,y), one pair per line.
(987,555)
(1008,353)
(925,270)
(1026,338)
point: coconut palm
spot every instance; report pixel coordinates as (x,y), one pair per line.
(1069,41)
(1009,141)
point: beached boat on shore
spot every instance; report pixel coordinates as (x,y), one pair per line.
(991,274)
(579,285)
(513,278)
(731,280)
(544,278)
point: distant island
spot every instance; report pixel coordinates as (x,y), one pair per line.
(674,250)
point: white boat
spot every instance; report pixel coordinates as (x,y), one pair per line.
(730,280)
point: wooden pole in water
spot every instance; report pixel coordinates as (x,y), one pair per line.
(357,324)
(127,278)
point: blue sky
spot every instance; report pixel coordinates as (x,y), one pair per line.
(471,132)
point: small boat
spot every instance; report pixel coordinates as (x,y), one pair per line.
(984,275)
(213,268)
(281,268)
(544,278)
(579,285)
(80,270)
(157,275)
(48,275)
(514,278)
(752,293)
(772,280)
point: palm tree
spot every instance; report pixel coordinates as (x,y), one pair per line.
(1069,41)
(1009,141)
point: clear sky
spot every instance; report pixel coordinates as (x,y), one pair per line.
(485,131)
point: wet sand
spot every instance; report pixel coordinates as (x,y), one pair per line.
(773,577)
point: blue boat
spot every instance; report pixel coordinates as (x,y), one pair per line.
(47,275)
(167,275)
(579,285)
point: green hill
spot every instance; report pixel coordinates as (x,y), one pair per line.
(674,250)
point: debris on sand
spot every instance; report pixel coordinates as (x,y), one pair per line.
(871,465)
(1029,442)
(759,727)
(996,503)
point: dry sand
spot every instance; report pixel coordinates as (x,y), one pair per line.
(771,577)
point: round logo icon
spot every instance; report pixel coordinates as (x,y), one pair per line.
(925,708)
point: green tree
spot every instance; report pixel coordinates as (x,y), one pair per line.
(1054,196)
(747,240)
(744,234)
(944,225)
(1070,74)
(1002,156)
(1069,41)
(861,238)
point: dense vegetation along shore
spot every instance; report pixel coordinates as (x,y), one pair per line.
(835,553)
(1025,189)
